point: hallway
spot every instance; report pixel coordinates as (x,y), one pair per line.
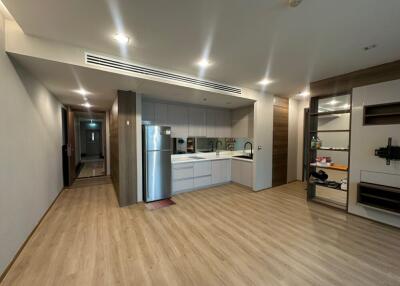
(225,235)
(92,168)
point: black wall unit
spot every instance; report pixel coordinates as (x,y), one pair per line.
(382,114)
(378,196)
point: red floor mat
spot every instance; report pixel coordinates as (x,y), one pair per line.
(159,204)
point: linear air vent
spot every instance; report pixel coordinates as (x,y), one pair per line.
(119,65)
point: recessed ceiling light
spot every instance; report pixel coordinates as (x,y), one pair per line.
(265,81)
(304,93)
(122,39)
(204,63)
(86,104)
(82,91)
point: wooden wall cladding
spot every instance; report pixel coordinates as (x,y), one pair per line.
(123,147)
(114,150)
(346,82)
(280,141)
(382,114)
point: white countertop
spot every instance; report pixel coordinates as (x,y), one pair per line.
(189,158)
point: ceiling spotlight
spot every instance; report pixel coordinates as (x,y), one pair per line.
(122,39)
(265,81)
(204,63)
(82,91)
(294,3)
(86,104)
(304,93)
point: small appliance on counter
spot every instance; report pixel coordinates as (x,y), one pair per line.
(178,146)
(191,145)
(156,162)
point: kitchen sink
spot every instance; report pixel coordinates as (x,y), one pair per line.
(196,157)
(250,157)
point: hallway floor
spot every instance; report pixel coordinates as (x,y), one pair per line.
(224,235)
(92,168)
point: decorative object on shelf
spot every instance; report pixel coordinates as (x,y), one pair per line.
(343,185)
(389,153)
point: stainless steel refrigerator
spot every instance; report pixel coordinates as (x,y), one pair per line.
(156,162)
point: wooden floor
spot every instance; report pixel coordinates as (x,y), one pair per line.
(92,169)
(220,236)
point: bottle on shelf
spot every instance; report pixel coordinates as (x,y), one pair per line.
(318,143)
(313,143)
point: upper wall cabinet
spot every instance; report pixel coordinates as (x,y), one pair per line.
(148,111)
(243,122)
(223,123)
(188,120)
(197,122)
(161,113)
(210,123)
(179,121)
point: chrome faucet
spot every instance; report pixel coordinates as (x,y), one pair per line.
(216,147)
(251,148)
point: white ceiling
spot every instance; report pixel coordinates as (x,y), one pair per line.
(63,80)
(246,39)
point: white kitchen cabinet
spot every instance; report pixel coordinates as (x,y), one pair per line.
(221,171)
(242,172)
(210,123)
(223,123)
(197,122)
(148,111)
(202,182)
(243,122)
(161,114)
(178,119)
(202,168)
(182,185)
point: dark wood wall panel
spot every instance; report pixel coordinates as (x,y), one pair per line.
(346,82)
(114,150)
(123,147)
(127,147)
(280,141)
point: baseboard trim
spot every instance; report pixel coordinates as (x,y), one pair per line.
(7,269)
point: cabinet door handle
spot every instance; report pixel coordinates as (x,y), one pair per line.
(259,148)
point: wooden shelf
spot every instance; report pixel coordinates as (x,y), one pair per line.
(382,114)
(333,167)
(333,131)
(332,149)
(331,112)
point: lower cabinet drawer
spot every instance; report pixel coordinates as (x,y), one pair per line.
(184,173)
(202,181)
(181,185)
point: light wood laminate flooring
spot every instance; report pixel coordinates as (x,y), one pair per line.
(225,235)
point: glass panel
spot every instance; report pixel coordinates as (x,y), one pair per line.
(335,103)
(334,122)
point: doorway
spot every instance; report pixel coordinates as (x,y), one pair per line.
(91,145)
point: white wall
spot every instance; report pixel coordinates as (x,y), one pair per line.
(364,140)
(263,127)
(292,140)
(30,154)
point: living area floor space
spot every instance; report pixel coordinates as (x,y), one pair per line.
(224,235)
(208,142)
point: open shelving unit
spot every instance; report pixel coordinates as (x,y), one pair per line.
(330,194)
